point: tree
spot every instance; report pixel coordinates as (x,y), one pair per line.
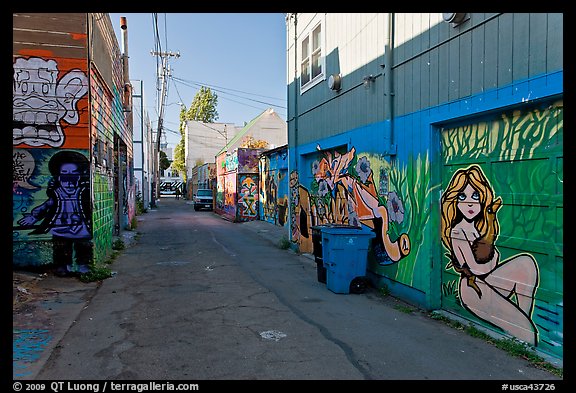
(179,163)
(251,143)
(164,161)
(203,107)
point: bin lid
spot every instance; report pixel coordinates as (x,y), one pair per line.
(332,225)
(348,230)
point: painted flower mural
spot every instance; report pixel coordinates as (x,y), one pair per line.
(395,208)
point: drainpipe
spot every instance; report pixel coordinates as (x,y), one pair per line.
(388,64)
(295,147)
(295,84)
(126,75)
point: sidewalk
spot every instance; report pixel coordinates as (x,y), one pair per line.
(44,307)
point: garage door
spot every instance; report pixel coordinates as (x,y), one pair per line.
(501,223)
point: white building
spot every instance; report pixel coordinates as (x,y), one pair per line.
(267,126)
(143,145)
(203,141)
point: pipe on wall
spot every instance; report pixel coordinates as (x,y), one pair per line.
(389,80)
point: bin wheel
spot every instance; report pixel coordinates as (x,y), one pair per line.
(358,285)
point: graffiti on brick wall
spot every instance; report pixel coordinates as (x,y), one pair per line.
(43,103)
(500,292)
(103,215)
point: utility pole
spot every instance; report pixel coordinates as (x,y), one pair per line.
(163,75)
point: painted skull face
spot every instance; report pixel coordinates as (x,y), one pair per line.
(40,101)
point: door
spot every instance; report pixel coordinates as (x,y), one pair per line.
(508,224)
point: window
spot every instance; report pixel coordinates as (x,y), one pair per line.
(312,64)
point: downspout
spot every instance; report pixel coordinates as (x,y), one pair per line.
(295,86)
(295,145)
(91,138)
(389,61)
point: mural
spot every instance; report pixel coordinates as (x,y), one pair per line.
(247,160)
(343,190)
(269,194)
(500,292)
(237,184)
(248,198)
(504,261)
(274,188)
(65,213)
(41,101)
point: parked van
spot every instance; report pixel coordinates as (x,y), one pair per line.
(203,199)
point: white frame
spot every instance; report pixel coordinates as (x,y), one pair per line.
(322,48)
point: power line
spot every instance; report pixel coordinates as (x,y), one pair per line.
(226,98)
(227,88)
(236,95)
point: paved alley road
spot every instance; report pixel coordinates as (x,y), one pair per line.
(201,298)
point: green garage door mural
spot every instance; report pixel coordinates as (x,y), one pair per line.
(501,224)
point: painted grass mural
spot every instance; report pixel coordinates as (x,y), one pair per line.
(408,199)
(520,159)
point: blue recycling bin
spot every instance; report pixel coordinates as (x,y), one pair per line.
(345,256)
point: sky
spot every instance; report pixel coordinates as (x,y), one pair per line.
(240,56)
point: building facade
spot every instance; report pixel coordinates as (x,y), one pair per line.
(73,182)
(441,133)
(143,144)
(203,141)
(237,178)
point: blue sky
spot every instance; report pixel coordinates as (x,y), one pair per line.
(241,56)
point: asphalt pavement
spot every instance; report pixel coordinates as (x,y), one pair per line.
(356,336)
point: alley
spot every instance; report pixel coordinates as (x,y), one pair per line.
(200,298)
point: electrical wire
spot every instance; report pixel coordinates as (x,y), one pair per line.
(223,92)
(227,88)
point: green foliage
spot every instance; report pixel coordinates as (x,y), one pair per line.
(140,208)
(203,107)
(96,274)
(384,290)
(164,161)
(179,163)
(404,309)
(511,345)
(118,244)
(284,243)
(133,223)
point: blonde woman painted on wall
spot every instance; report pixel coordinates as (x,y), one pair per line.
(496,291)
